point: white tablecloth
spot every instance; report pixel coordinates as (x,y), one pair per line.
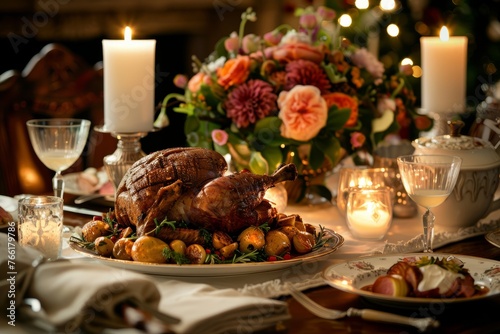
(403,237)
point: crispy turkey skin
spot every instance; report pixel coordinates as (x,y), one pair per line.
(188,184)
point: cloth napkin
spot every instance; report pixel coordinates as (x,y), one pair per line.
(75,295)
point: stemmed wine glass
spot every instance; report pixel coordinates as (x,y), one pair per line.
(429,180)
(58,143)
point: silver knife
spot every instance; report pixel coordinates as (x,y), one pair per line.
(82,211)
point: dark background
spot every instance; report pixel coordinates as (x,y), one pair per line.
(177,42)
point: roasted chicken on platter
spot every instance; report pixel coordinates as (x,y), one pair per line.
(178,205)
(189,185)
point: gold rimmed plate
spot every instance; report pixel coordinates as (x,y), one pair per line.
(493,238)
(355,275)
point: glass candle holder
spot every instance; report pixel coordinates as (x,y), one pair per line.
(369,212)
(128,151)
(41,224)
(363,177)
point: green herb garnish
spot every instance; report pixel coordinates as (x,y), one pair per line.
(165,222)
(321,239)
(178,258)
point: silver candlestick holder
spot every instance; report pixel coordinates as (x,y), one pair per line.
(128,151)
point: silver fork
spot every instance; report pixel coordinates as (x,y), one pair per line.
(422,324)
(86,198)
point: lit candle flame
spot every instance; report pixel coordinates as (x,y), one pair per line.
(127,34)
(444,35)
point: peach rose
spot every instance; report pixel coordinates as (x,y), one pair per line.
(303,112)
(292,51)
(195,82)
(235,71)
(342,100)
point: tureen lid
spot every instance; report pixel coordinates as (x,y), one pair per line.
(475,152)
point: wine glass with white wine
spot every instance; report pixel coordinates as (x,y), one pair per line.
(58,143)
(429,180)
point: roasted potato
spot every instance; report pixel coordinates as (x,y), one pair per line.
(126,232)
(303,242)
(221,239)
(228,251)
(299,224)
(94,229)
(277,243)
(196,254)
(178,246)
(122,249)
(149,249)
(103,246)
(310,229)
(250,239)
(286,220)
(289,231)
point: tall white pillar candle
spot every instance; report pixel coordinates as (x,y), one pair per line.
(444,65)
(129,84)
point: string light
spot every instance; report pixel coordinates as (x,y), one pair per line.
(393,30)
(345,20)
(387,5)
(406,61)
(417,71)
(362,4)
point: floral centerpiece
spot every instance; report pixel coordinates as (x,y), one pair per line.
(305,95)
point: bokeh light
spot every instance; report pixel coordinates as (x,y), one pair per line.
(345,20)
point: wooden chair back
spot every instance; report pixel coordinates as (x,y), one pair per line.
(54,84)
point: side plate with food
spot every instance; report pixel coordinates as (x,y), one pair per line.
(358,277)
(8,210)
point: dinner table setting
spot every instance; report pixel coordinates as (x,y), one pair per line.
(297,217)
(256,297)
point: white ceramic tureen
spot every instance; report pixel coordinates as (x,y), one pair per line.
(472,198)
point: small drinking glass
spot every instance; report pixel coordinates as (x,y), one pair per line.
(41,224)
(369,212)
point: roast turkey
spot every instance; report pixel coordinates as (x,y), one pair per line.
(189,185)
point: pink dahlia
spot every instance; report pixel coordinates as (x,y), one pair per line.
(249,102)
(306,73)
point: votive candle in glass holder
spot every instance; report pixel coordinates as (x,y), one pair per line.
(41,224)
(369,212)
(362,177)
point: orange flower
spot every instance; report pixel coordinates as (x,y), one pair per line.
(342,100)
(303,112)
(235,71)
(356,79)
(278,79)
(293,51)
(338,59)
